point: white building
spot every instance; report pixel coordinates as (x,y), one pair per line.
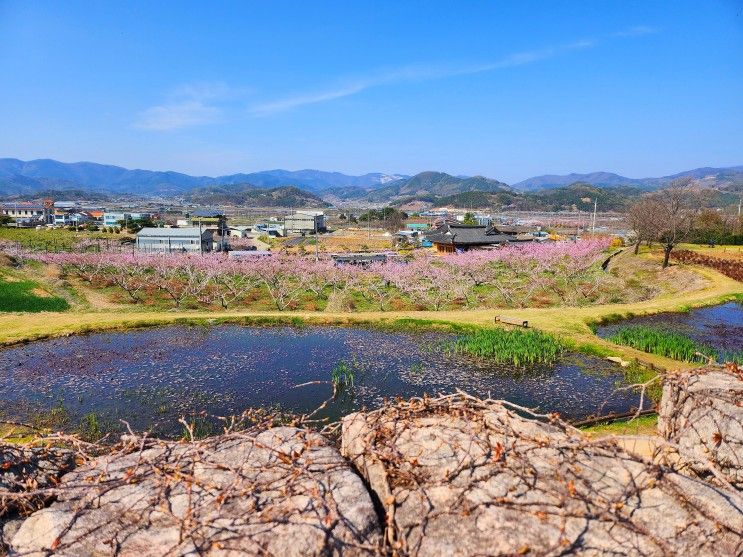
(303,222)
(23,211)
(168,240)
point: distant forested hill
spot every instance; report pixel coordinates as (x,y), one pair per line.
(437,184)
(248,195)
(578,196)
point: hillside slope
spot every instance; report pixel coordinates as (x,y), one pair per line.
(248,195)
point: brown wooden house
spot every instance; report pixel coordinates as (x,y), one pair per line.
(452,237)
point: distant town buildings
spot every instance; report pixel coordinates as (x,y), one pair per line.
(483,220)
(269,229)
(119,218)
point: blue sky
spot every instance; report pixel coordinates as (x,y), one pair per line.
(504,89)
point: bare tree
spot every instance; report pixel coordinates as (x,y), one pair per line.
(675,209)
(642,219)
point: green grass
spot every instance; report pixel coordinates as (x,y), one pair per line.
(642,425)
(410,325)
(515,347)
(20,296)
(51,240)
(662,342)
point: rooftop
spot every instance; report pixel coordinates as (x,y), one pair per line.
(23,205)
(186,232)
(464,234)
(208,213)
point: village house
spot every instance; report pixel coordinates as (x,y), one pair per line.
(239,231)
(304,222)
(451,237)
(169,240)
(214,219)
(31,213)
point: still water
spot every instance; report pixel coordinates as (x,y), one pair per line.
(150,377)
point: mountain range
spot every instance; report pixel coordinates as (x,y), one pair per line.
(706,176)
(27,177)
(315,188)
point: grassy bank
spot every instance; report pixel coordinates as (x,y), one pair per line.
(27,296)
(643,425)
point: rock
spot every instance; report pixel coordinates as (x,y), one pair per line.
(642,446)
(701,412)
(281,491)
(24,469)
(458,476)
(8,528)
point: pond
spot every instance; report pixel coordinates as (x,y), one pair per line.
(150,377)
(719,327)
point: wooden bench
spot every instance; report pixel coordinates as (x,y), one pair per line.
(515,321)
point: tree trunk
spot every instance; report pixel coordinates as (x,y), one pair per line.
(637,247)
(666,255)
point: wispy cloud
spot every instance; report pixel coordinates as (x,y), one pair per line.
(191,104)
(412,73)
(636,31)
(202,103)
(421,73)
(178,115)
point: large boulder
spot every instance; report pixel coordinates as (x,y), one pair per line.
(701,413)
(281,491)
(26,474)
(458,476)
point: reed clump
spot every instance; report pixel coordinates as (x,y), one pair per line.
(516,347)
(663,342)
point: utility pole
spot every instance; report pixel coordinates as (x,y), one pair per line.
(593,224)
(317,239)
